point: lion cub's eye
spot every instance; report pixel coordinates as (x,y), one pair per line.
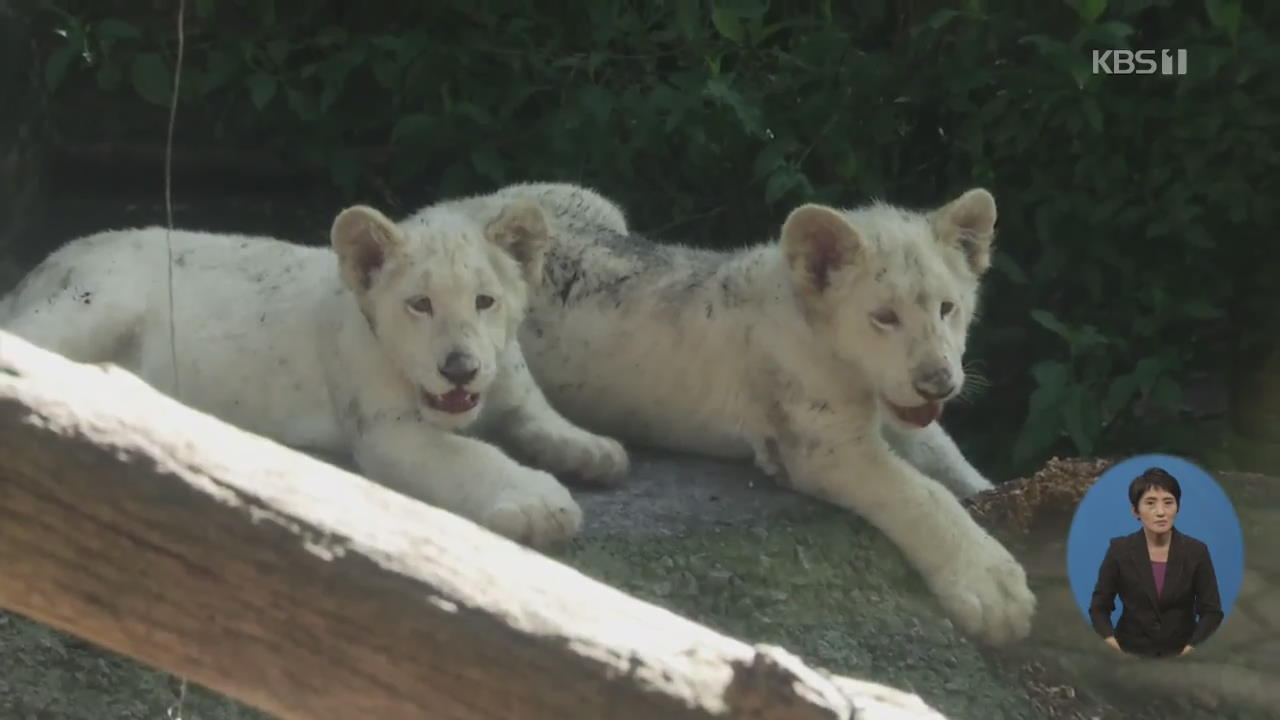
(419,304)
(947,307)
(885,317)
(484,302)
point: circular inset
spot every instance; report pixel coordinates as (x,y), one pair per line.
(1178,558)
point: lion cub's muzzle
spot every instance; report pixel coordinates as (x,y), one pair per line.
(459,369)
(935,385)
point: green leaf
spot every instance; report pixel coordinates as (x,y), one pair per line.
(221,66)
(769,159)
(151,78)
(598,102)
(114,29)
(55,69)
(1043,424)
(345,168)
(1225,15)
(727,24)
(1092,113)
(1086,338)
(204,8)
(302,105)
(1197,237)
(603,15)
(1046,319)
(743,8)
(391,43)
(748,115)
(387,72)
(415,141)
(1147,372)
(764,32)
(780,183)
(1089,10)
(486,162)
(513,101)
(1119,394)
(473,112)
(847,167)
(940,18)
(334,74)
(994,109)
(1080,67)
(1074,420)
(1043,43)
(414,131)
(1114,33)
(1201,309)
(1167,394)
(1007,265)
(110,77)
(278,50)
(262,88)
(1051,376)
(688,18)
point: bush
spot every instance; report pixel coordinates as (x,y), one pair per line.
(1134,209)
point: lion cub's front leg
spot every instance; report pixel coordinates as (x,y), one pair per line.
(564,449)
(467,477)
(842,460)
(526,424)
(932,451)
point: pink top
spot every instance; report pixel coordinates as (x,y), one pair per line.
(1158,569)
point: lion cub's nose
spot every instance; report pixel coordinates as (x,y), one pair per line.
(459,368)
(934,384)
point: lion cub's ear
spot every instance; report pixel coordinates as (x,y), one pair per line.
(364,239)
(818,242)
(521,230)
(969,222)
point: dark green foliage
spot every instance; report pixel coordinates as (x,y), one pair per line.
(1137,212)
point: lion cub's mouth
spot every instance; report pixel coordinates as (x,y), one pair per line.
(457,400)
(919,416)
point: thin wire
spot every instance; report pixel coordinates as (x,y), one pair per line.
(175,710)
(168,191)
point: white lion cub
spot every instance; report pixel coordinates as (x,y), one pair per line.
(827,356)
(384,351)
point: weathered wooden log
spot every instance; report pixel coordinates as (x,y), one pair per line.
(164,534)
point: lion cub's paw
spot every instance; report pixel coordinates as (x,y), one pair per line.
(585,457)
(768,460)
(599,460)
(536,510)
(984,591)
(969,482)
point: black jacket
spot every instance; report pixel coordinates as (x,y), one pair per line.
(1152,626)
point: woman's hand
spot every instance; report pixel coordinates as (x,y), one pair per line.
(1116,644)
(1185,650)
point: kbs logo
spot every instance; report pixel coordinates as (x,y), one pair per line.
(1139,62)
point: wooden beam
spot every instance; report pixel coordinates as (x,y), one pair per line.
(164,534)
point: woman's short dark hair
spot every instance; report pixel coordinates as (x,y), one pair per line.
(1154,478)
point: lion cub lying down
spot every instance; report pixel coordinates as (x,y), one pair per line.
(826,354)
(386,350)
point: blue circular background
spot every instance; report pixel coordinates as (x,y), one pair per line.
(1205,513)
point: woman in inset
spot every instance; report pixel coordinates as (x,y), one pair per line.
(1164,578)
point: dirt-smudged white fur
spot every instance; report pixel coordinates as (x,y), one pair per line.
(826,356)
(400,349)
